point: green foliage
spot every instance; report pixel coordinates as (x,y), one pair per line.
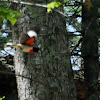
(53,5)
(9,14)
(2,98)
(62,1)
(4,4)
(66,1)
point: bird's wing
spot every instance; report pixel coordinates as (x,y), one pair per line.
(25,39)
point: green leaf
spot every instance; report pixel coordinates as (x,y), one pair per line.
(2,98)
(12,20)
(66,0)
(57,4)
(49,10)
(11,15)
(17,13)
(53,5)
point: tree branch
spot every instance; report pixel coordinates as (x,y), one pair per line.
(80,40)
(18,75)
(35,4)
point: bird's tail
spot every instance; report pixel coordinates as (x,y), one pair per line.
(11,45)
(8,46)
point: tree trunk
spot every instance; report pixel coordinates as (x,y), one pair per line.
(57,60)
(90,52)
(46,75)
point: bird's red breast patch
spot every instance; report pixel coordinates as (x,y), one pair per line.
(30,41)
(31,51)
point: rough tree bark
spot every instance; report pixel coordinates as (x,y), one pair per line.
(58,70)
(46,75)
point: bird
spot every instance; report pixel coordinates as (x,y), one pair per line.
(26,41)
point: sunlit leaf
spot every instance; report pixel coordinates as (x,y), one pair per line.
(2,98)
(12,20)
(49,10)
(57,4)
(53,5)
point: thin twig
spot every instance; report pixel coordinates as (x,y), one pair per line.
(80,40)
(89,25)
(35,4)
(18,75)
